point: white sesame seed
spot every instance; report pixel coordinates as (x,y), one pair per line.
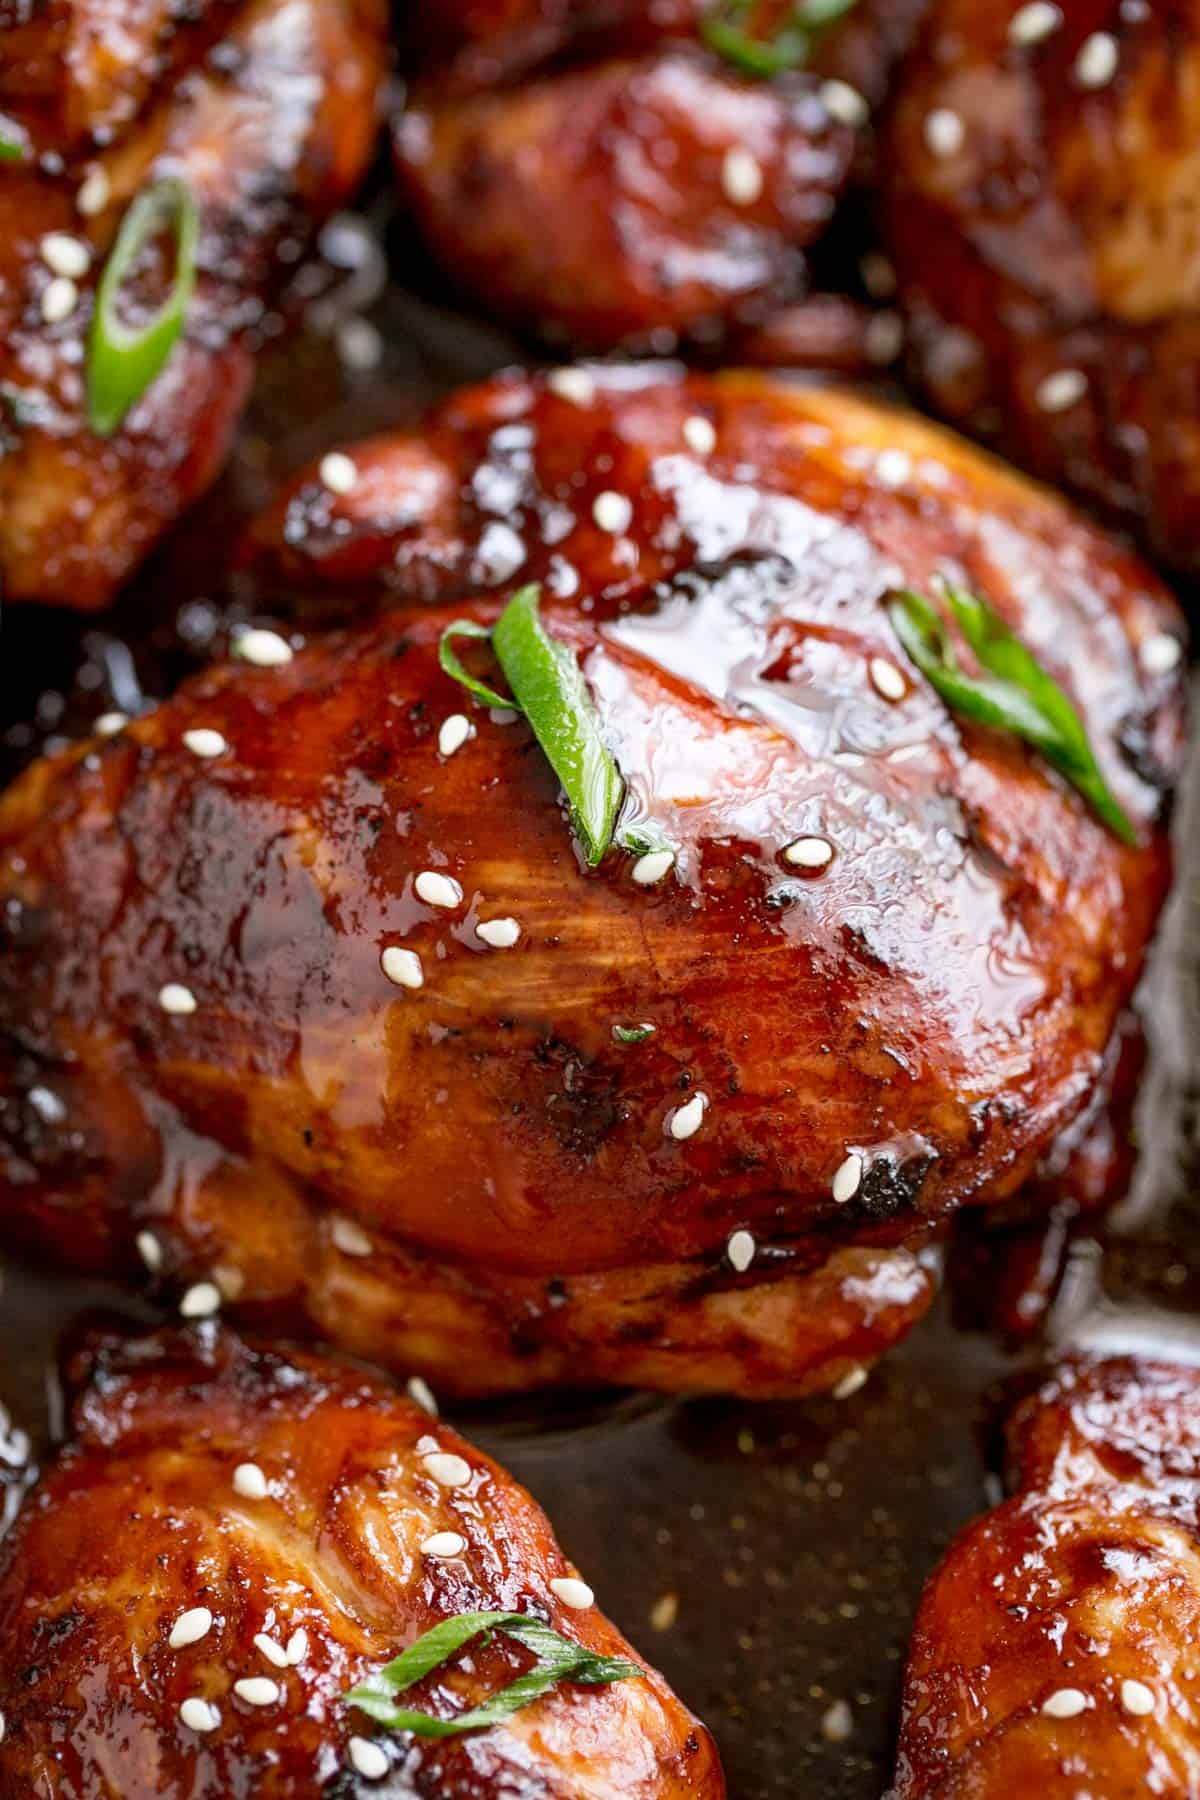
(3,1727)
(422,1393)
(741,176)
(265,649)
(809,853)
(1096,63)
(199,1715)
(173,997)
(60,297)
(572,1592)
(1031,24)
(664,1612)
(438,890)
(575,385)
(883,338)
(338,472)
(700,434)
(653,866)
(66,255)
(848,1179)
(403,967)
(93,193)
(454,733)
(150,1250)
(612,511)
(297,1647)
(447,1469)
(1064,1703)
(838,1723)
(1137,1698)
(274,1653)
(687,1119)
(349,1237)
(359,345)
(201,1300)
(740,1248)
(190,1627)
(886,679)
(501,934)
(202,742)
(850,1384)
(893,468)
(945,132)
(47,1105)
(444,1543)
(109,723)
(844,103)
(369,1760)
(257,1690)
(1160,653)
(1063,389)
(249,1481)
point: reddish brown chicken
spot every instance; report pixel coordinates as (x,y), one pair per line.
(294,1525)
(479,1176)
(1040,204)
(266,110)
(1054,1652)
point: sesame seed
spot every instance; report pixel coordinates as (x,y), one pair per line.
(893,468)
(883,338)
(612,511)
(687,1119)
(257,1690)
(1031,24)
(741,176)
(66,255)
(150,1250)
(274,1653)
(838,1723)
(740,1249)
(844,103)
(199,1715)
(848,1179)
(402,967)
(945,132)
(201,1301)
(47,1105)
(1096,63)
(1160,653)
(297,1646)
(202,742)
(93,193)
(190,1627)
(664,1612)
(1063,389)
(1064,1703)
(447,1469)
(501,934)
(265,649)
(438,890)
(249,1481)
(572,1592)
(575,385)
(60,297)
(349,1237)
(652,867)
(421,1392)
(886,679)
(3,1727)
(809,853)
(444,1543)
(850,1384)
(454,733)
(369,1760)
(700,434)
(338,472)
(1137,1698)
(173,997)
(109,723)
(359,345)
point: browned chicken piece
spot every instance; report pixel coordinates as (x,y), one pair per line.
(1040,203)
(1055,1649)
(233,1538)
(266,111)
(882,971)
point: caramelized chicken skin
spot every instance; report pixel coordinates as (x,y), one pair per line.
(294,1501)
(477,1177)
(266,110)
(1040,206)
(1054,1651)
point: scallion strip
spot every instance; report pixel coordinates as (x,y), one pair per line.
(123,360)
(723,30)
(14,143)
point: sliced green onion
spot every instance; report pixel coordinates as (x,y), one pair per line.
(14,141)
(452,664)
(558,1659)
(724,30)
(633,1034)
(122,361)
(1015,694)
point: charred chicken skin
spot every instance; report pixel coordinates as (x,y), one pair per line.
(1054,1652)
(1040,205)
(684,1119)
(265,111)
(233,1538)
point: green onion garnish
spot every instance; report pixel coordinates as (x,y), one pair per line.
(724,30)
(548,687)
(558,1659)
(14,144)
(1015,694)
(122,361)
(633,1034)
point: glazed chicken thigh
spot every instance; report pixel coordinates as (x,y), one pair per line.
(311,999)
(233,1538)
(265,112)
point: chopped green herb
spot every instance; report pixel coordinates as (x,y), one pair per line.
(557,1659)
(725,31)
(122,361)
(1014,694)
(14,143)
(633,1034)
